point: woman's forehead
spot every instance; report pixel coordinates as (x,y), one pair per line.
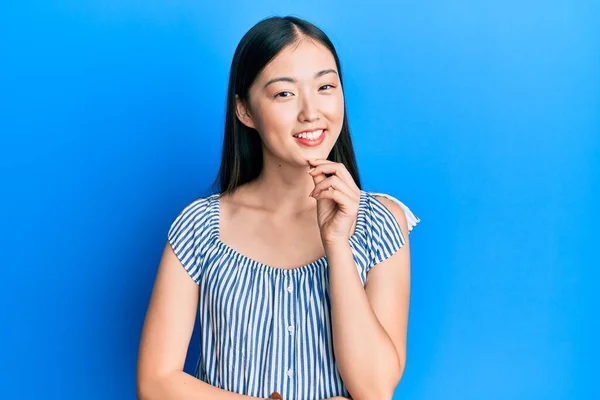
(300,61)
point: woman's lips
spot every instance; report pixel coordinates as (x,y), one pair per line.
(311,143)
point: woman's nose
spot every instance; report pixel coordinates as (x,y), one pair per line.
(309,110)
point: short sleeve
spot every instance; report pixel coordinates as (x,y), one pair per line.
(187,235)
(385,234)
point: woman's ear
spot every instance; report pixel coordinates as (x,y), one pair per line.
(243,112)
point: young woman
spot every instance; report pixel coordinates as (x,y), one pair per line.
(300,279)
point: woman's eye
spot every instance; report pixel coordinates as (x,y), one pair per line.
(330,86)
(282,93)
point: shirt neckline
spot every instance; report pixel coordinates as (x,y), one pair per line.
(321,261)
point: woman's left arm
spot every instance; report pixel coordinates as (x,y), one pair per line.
(370,324)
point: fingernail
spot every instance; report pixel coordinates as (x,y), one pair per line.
(311,170)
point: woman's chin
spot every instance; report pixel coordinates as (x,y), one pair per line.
(311,155)
(320,153)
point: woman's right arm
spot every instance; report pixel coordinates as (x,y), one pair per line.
(166,336)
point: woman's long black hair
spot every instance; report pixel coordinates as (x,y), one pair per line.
(242,158)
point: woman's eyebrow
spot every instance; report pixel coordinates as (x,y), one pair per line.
(293,80)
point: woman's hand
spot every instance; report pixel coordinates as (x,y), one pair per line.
(338,200)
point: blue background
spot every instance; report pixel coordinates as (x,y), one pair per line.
(482,116)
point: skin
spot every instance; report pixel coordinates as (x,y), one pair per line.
(369,324)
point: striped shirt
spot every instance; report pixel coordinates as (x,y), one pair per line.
(266,329)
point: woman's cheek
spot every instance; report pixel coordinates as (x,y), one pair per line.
(285,118)
(335,110)
(279,120)
(269,117)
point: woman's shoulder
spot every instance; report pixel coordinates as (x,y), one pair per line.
(193,232)
(385,205)
(195,214)
(198,206)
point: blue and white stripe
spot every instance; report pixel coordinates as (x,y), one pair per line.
(266,329)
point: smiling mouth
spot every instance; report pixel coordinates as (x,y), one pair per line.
(311,139)
(311,136)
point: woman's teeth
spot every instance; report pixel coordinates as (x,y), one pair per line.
(314,135)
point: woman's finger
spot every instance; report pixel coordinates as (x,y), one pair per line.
(346,204)
(317,179)
(338,169)
(336,183)
(318,161)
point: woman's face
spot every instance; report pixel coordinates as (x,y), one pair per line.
(299,90)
